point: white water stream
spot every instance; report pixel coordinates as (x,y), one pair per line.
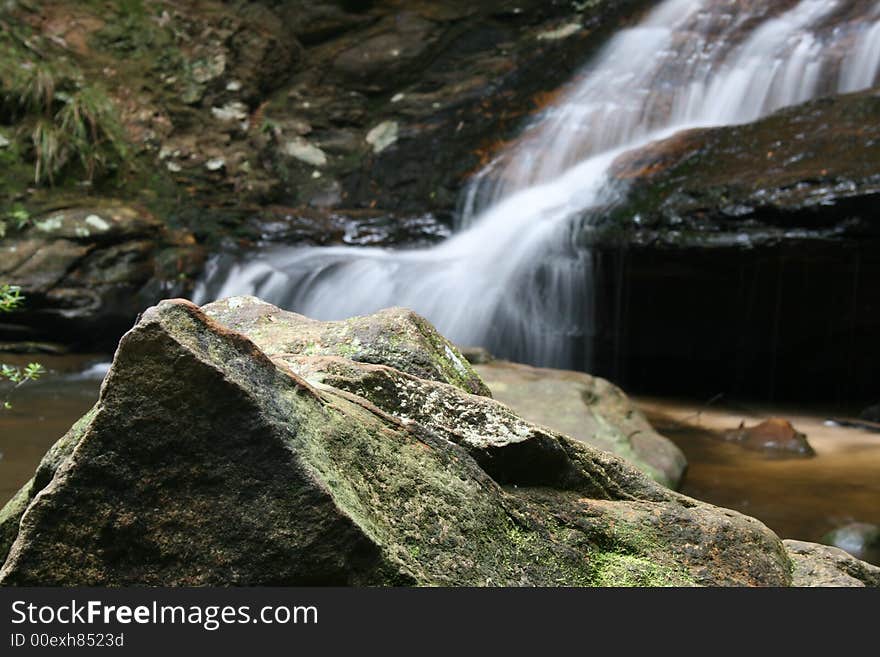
(511,278)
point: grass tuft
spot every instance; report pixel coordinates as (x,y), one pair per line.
(69,121)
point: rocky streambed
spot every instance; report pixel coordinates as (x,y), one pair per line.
(241,444)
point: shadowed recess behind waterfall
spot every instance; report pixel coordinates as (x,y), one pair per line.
(512,278)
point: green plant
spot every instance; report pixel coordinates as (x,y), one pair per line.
(36,85)
(11,299)
(89,126)
(50,154)
(17,217)
(18,376)
(68,119)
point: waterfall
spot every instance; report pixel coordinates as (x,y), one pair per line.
(512,278)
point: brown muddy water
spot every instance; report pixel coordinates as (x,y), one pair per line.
(42,412)
(797,497)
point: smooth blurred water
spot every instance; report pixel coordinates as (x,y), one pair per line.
(43,411)
(512,278)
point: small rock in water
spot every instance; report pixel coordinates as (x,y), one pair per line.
(774,434)
(857,538)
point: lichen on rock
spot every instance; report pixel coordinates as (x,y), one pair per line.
(395,337)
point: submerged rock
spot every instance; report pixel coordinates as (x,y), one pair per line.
(212,457)
(588,409)
(775,435)
(860,539)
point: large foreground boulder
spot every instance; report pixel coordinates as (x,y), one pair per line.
(210,458)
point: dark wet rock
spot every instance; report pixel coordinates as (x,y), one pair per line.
(759,245)
(207,461)
(773,435)
(317,22)
(821,565)
(309,226)
(375,63)
(453,79)
(860,539)
(87,271)
(807,172)
(588,409)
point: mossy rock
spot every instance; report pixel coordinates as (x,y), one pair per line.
(395,337)
(804,172)
(208,461)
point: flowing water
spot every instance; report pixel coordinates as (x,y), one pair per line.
(511,278)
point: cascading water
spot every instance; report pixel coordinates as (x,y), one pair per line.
(512,278)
